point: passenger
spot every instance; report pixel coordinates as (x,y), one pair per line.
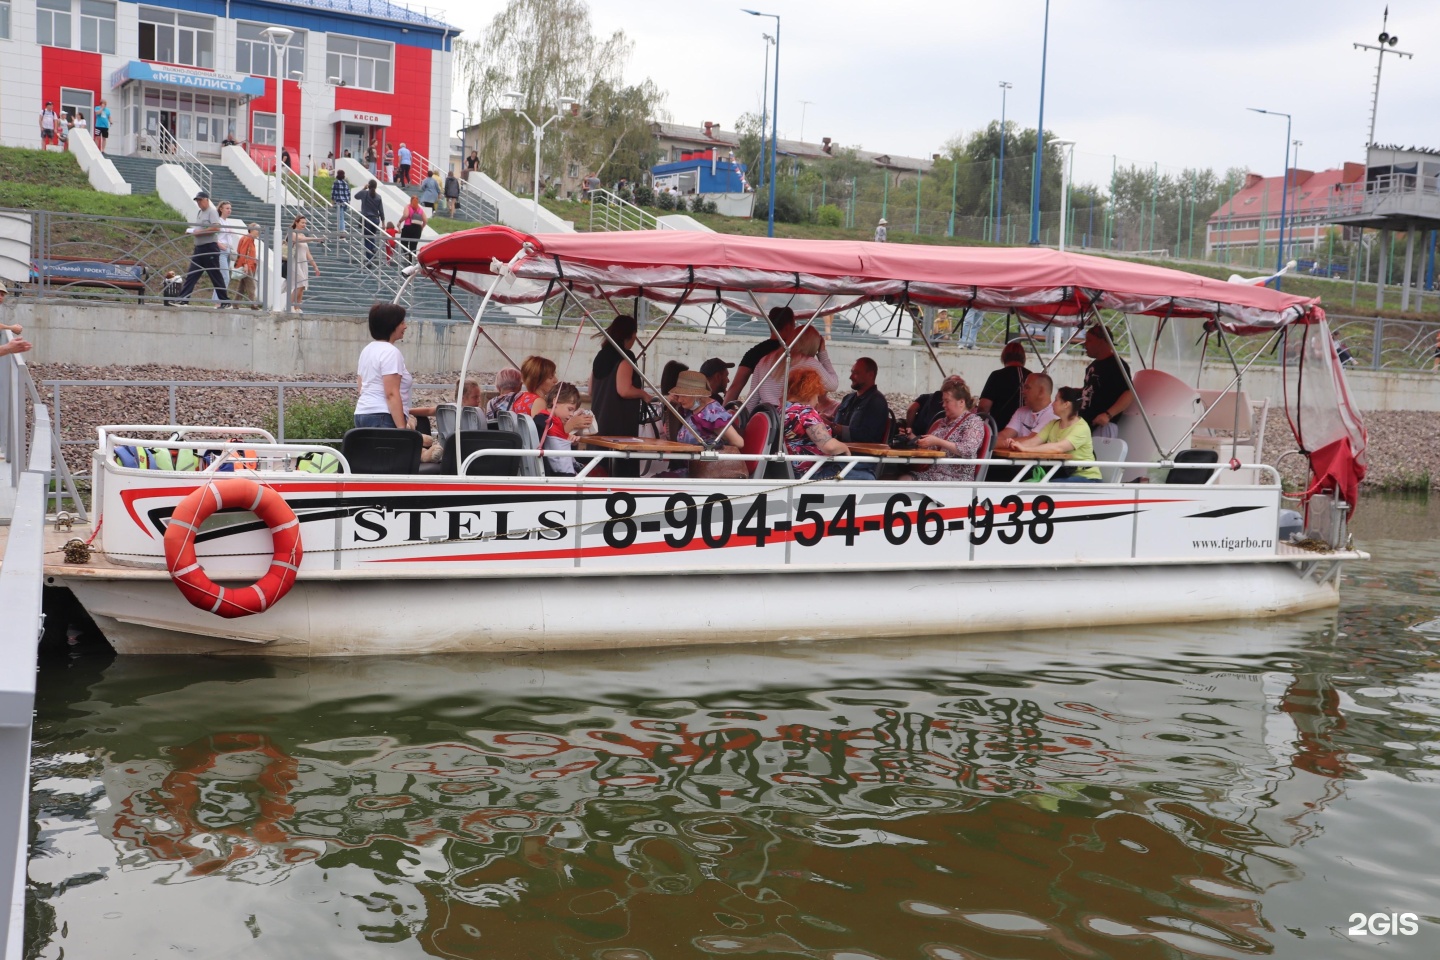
(469,397)
(782,319)
(538,376)
(1033,414)
(1067,433)
(615,386)
(804,429)
(670,425)
(959,434)
(384,379)
(707,423)
(508,384)
(807,352)
(717,373)
(923,411)
(1001,396)
(1107,394)
(565,417)
(864,415)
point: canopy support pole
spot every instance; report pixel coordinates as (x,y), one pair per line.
(1235,382)
(666,322)
(1129,382)
(475,328)
(659,395)
(755,384)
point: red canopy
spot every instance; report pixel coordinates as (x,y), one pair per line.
(670,265)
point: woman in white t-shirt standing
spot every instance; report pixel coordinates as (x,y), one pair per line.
(384,379)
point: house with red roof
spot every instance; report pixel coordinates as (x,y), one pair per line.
(1251,217)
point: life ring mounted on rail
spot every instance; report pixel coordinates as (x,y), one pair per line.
(190,577)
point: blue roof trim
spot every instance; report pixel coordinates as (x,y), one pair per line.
(370,19)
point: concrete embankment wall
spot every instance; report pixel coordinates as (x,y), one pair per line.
(295,345)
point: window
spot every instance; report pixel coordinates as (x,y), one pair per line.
(264,129)
(253,53)
(4,19)
(97,26)
(79,102)
(359,63)
(52,22)
(180,38)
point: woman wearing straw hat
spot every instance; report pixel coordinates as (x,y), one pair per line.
(707,423)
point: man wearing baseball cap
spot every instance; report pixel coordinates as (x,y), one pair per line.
(717,374)
(206,256)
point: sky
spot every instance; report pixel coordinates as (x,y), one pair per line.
(1144,81)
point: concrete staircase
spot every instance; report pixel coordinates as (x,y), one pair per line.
(139,172)
(346,285)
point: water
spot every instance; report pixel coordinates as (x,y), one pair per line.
(1201,791)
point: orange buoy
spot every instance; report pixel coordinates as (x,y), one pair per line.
(190,577)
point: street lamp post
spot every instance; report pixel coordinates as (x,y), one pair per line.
(774,117)
(279,38)
(298,77)
(1000,190)
(1039,136)
(464,127)
(538,130)
(1284,192)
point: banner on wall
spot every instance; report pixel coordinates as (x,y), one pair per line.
(185,77)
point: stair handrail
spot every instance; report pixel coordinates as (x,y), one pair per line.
(187,160)
(612,212)
(488,208)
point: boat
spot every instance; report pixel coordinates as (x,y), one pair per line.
(497,556)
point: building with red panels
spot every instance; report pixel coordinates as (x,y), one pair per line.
(1251,217)
(197,72)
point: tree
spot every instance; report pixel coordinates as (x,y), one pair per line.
(545,50)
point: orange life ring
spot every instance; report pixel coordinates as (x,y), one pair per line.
(190,577)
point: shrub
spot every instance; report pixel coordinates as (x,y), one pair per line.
(644,196)
(830,215)
(664,201)
(313,419)
(788,208)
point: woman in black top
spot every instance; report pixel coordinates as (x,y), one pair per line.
(615,387)
(1001,396)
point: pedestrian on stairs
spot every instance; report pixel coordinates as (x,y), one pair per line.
(370,158)
(49,122)
(246,263)
(430,192)
(452,192)
(206,256)
(340,196)
(372,213)
(302,264)
(412,225)
(389,164)
(404,157)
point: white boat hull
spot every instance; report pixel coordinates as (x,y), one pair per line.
(336,618)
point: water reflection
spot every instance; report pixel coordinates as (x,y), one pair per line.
(1135,793)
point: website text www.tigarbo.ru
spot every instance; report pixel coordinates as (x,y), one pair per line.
(1234,543)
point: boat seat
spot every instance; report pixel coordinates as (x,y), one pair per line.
(469,441)
(471,418)
(762,435)
(987,446)
(1192,474)
(381,450)
(1111,448)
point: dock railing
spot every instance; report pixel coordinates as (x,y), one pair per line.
(21,579)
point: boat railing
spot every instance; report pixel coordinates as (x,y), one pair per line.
(266,450)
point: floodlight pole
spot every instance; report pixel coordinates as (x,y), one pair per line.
(538,131)
(1387,43)
(1000,190)
(1039,137)
(774,116)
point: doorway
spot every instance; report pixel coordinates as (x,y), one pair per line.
(353,138)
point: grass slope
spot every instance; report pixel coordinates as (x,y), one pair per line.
(44,180)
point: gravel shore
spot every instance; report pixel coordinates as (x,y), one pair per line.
(1404,444)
